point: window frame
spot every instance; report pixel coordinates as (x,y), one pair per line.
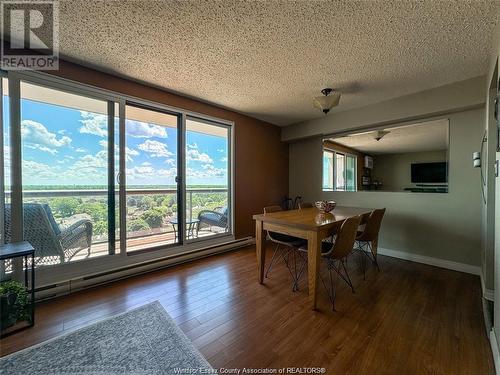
(335,169)
(71,270)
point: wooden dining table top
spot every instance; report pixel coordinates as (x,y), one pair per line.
(311,218)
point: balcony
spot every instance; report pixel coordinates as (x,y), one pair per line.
(151,217)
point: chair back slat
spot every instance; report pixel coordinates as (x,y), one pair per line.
(372,227)
(344,241)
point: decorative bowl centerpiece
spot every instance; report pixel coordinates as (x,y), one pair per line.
(325,206)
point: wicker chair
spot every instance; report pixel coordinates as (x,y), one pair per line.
(217,218)
(52,244)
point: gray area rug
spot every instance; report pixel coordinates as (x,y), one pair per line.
(142,341)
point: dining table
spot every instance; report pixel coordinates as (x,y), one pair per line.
(309,224)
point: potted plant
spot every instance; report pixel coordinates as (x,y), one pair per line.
(13,303)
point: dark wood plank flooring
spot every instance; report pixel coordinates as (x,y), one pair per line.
(408,319)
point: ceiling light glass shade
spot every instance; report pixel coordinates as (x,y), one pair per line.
(379,134)
(325,103)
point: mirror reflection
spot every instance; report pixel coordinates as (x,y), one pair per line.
(408,158)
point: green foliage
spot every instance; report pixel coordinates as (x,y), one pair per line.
(154,217)
(65,206)
(19,311)
(98,211)
(146,202)
(137,225)
(100,227)
(143,211)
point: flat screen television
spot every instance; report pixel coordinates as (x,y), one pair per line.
(429,173)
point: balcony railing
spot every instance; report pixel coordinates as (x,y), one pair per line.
(149,213)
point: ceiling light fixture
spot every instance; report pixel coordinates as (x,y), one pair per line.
(379,134)
(327,101)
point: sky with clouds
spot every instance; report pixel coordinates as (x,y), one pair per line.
(65,146)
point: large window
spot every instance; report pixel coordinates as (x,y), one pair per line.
(151,171)
(207,179)
(81,164)
(339,171)
(66,206)
(328,170)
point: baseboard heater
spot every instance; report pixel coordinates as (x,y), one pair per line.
(70,286)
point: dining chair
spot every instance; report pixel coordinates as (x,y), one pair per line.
(305,205)
(367,239)
(285,246)
(334,255)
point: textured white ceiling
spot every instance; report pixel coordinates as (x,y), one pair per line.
(421,137)
(269,58)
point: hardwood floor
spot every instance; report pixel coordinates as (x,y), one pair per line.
(408,319)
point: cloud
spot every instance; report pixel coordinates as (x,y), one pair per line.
(194,154)
(79,149)
(97,124)
(37,136)
(38,171)
(51,151)
(129,152)
(155,149)
(224,159)
(172,172)
(171,162)
(139,129)
(146,171)
(221,150)
(146,164)
(94,123)
(140,172)
(207,171)
(92,162)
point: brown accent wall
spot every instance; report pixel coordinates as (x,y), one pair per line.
(260,158)
(360,158)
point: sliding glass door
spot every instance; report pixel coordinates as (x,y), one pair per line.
(92,176)
(151,178)
(67,173)
(208,204)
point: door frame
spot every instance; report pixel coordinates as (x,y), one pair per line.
(179,179)
(107,263)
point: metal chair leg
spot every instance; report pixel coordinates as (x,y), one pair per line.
(302,268)
(373,256)
(276,250)
(349,281)
(329,290)
(333,288)
(297,274)
(291,265)
(363,257)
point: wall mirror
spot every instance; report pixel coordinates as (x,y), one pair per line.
(409,158)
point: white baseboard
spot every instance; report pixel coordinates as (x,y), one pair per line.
(448,264)
(72,285)
(488,294)
(494,350)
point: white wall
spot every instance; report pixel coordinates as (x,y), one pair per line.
(444,226)
(491,263)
